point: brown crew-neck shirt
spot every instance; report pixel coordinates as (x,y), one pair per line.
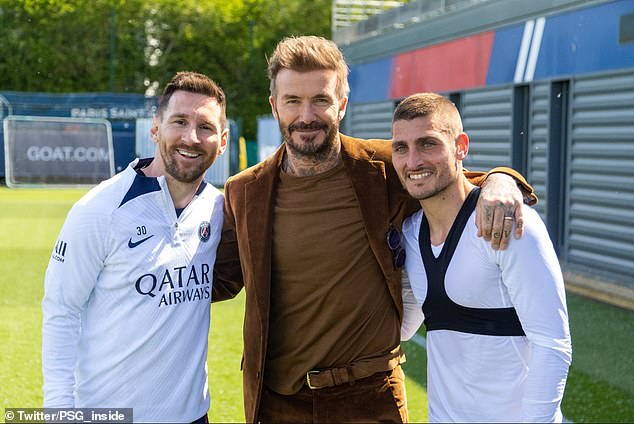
(330,304)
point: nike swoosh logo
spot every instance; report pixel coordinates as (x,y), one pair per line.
(133,244)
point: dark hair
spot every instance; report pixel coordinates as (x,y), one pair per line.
(420,105)
(193,82)
(309,53)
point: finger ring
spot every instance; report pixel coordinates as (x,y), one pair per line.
(508,217)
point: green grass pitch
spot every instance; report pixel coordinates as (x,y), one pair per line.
(600,385)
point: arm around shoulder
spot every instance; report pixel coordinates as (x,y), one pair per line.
(478,178)
(228,279)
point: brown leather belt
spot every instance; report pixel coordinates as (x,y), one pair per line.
(320,379)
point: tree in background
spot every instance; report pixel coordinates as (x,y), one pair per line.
(71,46)
(135,46)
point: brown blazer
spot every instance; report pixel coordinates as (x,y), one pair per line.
(244,254)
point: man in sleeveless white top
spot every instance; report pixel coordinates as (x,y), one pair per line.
(498,341)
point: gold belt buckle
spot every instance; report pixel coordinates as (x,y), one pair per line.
(308,374)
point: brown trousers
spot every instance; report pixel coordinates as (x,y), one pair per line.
(378,398)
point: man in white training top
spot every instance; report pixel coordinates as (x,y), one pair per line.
(128,286)
(498,342)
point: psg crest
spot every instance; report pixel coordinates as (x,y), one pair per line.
(204,231)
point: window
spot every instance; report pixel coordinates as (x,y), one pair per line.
(626,29)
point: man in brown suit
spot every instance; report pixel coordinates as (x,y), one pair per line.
(311,234)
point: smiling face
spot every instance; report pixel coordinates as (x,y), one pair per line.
(427,157)
(308,110)
(190,136)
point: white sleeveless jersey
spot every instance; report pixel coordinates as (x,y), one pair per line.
(484,378)
(127,301)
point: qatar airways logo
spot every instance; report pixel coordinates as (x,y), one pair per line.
(177,285)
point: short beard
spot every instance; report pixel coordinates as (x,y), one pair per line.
(437,191)
(445,183)
(181,175)
(309,149)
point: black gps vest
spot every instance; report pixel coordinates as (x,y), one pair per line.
(441,313)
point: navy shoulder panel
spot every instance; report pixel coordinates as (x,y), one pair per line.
(140,186)
(201,187)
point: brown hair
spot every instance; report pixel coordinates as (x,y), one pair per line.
(309,53)
(430,104)
(194,82)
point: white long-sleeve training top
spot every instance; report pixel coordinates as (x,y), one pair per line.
(127,301)
(487,378)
